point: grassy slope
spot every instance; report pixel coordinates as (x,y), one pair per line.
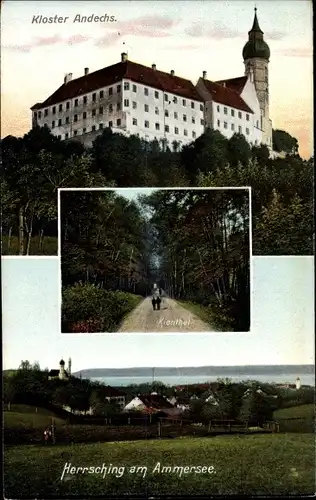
(219,323)
(262,464)
(307,412)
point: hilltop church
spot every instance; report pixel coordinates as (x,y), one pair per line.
(61,374)
(133,99)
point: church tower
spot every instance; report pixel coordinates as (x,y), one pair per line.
(69,367)
(62,373)
(256,55)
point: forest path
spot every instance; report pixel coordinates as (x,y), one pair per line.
(170,318)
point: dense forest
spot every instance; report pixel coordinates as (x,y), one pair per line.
(194,244)
(36,165)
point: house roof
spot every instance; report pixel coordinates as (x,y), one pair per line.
(237,84)
(114,74)
(225,95)
(53,373)
(155,401)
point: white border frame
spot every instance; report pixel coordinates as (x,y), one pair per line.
(145,189)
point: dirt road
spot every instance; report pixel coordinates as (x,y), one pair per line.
(172,317)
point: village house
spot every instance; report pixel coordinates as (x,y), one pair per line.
(61,374)
(151,403)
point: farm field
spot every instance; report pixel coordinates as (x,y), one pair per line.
(255,464)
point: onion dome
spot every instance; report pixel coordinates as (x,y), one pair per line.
(256,46)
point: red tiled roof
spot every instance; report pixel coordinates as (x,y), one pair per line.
(226,96)
(112,74)
(155,401)
(236,84)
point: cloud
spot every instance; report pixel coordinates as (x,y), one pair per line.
(17,48)
(218,32)
(46,41)
(162,22)
(301,52)
(75,39)
(274,35)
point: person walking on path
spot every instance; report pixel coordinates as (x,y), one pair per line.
(154,303)
(158,300)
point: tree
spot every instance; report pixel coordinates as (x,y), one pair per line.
(238,150)
(283,141)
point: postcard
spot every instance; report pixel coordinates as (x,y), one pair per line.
(157,242)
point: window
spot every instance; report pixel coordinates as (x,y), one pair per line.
(192,105)
(257,124)
(101,95)
(146,124)
(59,136)
(110,108)
(75,132)
(84,116)
(46,112)
(118,106)
(126,103)
(156,111)
(218,108)
(66,136)
(59,122)
(134,121)
(184,118)
(175,115)
(146,91)
(39,114)
(134,105)
(67,105)
(175,100)
(184,103)
(110,91)
(146,108)
(157,126)
(85,100)
(225,124)
(156,94)
(110,124)
(239,114)
(76,103)
(60,107)
(94,97)
(67,120)
(225,111)
(100,126)
(193,135)
(247,118)
(93,128)
(54,110)
(176,130)
(126,85)
(53,124)
(193,119)
(35,115)
(239,129)
(118,122)
(166,97)
(233,126)
(101,110)
(185,132)
(166,128)
(202,121)
(93,112)
(201,107)
(118,89)
(232,112)
(218,123)
(166,113)
(134,88)
(247,131)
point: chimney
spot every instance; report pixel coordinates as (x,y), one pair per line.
(204,75)
(172,72)
(68,78)
(154,66)
(123,57)
(86,71)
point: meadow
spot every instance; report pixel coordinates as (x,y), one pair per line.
(274,464)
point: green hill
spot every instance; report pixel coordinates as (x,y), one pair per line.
(296,418)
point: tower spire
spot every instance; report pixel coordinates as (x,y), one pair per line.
(255,26)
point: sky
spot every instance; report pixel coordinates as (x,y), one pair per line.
(186,36)
(282,323)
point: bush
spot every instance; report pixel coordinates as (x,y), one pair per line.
(86,308)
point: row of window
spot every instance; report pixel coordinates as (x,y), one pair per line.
(232,126)
(167,128)
(66,106)
(232,112)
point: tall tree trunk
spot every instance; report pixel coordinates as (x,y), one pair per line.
(29,237)
(41,238)
(21,231)
(9,239)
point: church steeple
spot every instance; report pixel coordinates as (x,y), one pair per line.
(256,46)
(255,26)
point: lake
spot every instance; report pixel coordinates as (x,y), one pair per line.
(196,379)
